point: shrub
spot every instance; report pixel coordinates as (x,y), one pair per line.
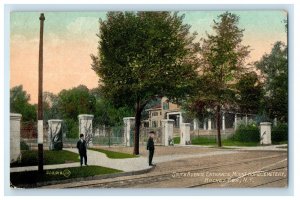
(71,127)
(244,123)
(280,133)
(24,145)
(176,140)
(247,133)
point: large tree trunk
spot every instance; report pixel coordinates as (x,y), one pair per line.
(219,125)
(138,114)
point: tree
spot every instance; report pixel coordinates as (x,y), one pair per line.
(106,113)
(274,69)
(142,56)
(222,63)
(50,106)
(19,103)
(73,102)
(250,91)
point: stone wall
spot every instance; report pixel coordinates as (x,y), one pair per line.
(15,149)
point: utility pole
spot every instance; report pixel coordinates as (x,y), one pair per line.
(40,100)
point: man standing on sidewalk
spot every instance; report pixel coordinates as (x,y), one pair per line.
(81,146)
(150,147)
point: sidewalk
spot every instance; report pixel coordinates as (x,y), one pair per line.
(126,165)
(98,159)
(280,147)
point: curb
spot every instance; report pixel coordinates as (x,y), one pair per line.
(97,177)
(237,148)
(267,150)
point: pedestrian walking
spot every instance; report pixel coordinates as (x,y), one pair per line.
(82,148)
(150,147)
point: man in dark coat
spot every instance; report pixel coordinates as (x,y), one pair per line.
(81,146)
(150,147)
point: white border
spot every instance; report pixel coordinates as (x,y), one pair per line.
(180,5)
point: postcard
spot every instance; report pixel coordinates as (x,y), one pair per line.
(149,99)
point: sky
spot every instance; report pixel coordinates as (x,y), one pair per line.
(70,38)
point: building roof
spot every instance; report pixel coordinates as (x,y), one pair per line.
(156,107)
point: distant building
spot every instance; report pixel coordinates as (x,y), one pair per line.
(164,110)
(208,125)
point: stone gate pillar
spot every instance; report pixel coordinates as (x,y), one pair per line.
(223,122)
(209,123)
(55,134)
(265,133)
(128,126)
(86,127)
(235,122)
(185,137)
(167,131)
(196,124)
(275,121)
(15,135)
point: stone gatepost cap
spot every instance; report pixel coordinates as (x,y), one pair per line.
(85,116)
(55,120)
(265,123)
(128,118)
(167,120)
(186,124)
(15,116)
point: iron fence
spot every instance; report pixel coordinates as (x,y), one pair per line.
(107,136)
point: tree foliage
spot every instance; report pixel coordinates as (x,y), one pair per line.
(222,63)
(106,113)
(274,69)
(75,101)
(19,103)
(250,91)
(50,106)
(223,58)
(142,56)
(68,104)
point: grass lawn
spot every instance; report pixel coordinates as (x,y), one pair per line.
(30,178)
(282,142)
(213,142)
(30,158)
(114,154)
(284,147)
(176,140)
(229,142)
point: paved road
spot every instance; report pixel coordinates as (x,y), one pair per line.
(228,168)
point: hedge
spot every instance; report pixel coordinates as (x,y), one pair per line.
(247,133)
(280,133)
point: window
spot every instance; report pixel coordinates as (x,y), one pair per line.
(165,105)
(154,124)
(155,114)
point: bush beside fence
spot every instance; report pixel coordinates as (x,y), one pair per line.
(247,133)
(280,133)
